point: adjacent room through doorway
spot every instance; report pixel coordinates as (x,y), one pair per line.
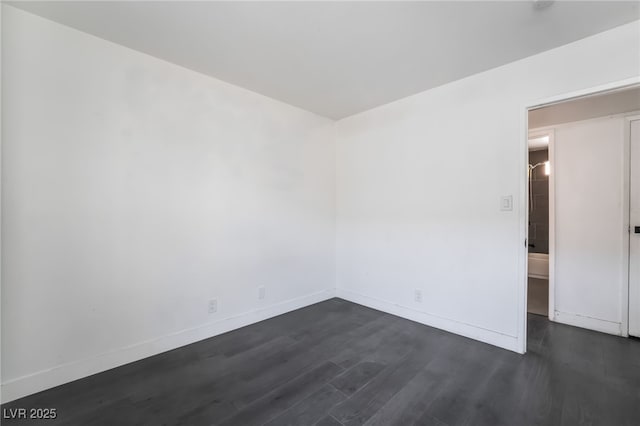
(538,242)
(582,191)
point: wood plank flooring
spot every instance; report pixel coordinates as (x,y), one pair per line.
(538,296)
(341,364)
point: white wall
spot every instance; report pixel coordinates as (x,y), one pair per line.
(133,191)
(419,185)
(590,225)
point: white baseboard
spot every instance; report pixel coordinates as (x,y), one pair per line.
(46,379)
(582,321)
(491,337)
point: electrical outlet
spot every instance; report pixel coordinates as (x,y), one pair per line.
(417,295)
(213,306)
(261,292)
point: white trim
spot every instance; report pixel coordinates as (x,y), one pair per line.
(552,226)
(582,93)
(590,323)
(626,295)
(495,338)
(523,212)
(45,379)
(523,252)
(626,223)
(1,31)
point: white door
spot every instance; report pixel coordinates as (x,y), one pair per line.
(591,235)
(634,243)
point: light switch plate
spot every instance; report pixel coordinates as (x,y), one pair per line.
(506,203)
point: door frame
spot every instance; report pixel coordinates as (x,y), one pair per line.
(524,185)
(626,300)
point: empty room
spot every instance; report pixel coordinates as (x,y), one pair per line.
(330,213)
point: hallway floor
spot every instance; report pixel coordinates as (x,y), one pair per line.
(538,296)
(338,363)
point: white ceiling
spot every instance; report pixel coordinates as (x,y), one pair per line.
(338,58)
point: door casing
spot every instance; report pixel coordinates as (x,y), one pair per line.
(633,288)
(523,204)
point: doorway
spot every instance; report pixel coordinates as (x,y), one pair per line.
(586,258)
(538,244)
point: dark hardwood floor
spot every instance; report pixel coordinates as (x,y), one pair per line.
(338,363)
